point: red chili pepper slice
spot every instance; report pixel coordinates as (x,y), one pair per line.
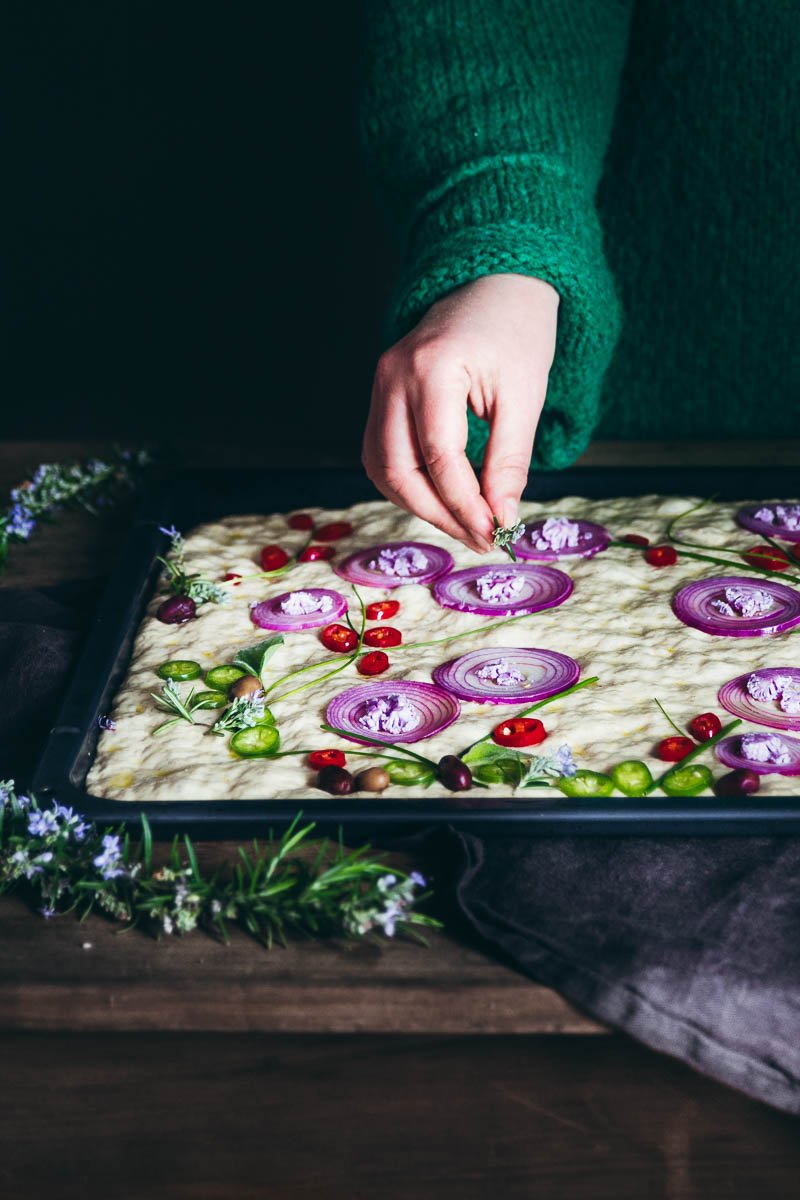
(772,558)
(661,556)
(273,557)
(326,758)
(374,663)
(334,531)
(635,539)
(312,553)
(519,731)
(339,638)
(301,521)
(705,726)
(226,578)
(382,610)
(383,635)
(673,749)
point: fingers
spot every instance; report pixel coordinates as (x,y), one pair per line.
(393,462)
(439,404)
(508,451)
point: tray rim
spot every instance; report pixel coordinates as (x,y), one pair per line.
(106,652)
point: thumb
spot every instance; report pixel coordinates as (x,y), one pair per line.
(507,459)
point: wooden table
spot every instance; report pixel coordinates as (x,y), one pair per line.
(191,1069)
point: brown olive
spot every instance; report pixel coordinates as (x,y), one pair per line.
(374,779)
(248,685)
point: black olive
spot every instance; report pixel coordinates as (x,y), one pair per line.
(454,774)
(176,610)
(738,783)
(335,780)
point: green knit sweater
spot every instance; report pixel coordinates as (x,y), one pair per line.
(643,157)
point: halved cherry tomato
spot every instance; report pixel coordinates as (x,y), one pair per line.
(312,553)
(383,635)
(326,758)
(382,610)
(673,749)
(229,575)
(273,557)
(705,726)
(636,539)
(339,638)
(772,558)
(519,731)
(301,521)
(661,556)
(374,663)
(334,531)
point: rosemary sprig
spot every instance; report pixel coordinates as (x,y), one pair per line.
(180,583)
(171,699)
(243,713)
(504,536)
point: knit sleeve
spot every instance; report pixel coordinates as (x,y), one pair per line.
(484,125)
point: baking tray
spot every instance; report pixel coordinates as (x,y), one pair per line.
(197,497)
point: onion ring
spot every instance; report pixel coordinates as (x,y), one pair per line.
(748,520)
(728,751)
(354,568)
(545,673)
(437,709)
(593,538)
(735,697)
(543,587)
(269,615)
(692,605)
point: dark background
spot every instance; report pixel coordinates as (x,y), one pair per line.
(195,250)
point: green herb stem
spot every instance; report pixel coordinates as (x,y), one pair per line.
(665,714)
(698,750)
(739,565)
(362,737)
(576,687)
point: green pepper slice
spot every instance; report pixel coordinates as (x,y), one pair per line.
(690,780)
(632,777)
(585,784)
(205,700)
(259,741)
(221,678)
(179,669)
(409,773)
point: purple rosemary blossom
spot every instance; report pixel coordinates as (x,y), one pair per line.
(107,862)
(21,522)
(41,824)
(418,879)
(106,723)
(171,532)
(71,822)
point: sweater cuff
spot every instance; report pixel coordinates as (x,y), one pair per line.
(561,243)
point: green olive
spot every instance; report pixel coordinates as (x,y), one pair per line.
(374,779)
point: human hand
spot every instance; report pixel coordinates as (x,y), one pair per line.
(490,344)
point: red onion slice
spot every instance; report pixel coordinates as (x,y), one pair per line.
(545,673)
(692,605)
(747,518)
(542,587)
(355,567)
(437,709)
(728,751)
(268,614)
(735,697)
(591,540)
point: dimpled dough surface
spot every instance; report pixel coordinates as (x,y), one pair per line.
(618,624)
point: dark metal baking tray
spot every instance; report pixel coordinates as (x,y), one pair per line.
(202,496)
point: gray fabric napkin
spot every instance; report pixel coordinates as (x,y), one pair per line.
(690,945)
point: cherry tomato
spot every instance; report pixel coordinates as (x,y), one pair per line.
(334,531)
(326,758)
(339,638)
(673,749)
(301,521)
(636,539)
(770,557)
(661,556)
(383,635)
(273,557)
(705,726)
(312,553)
(374,663)
(382,610)
(519,731)
(231,575)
